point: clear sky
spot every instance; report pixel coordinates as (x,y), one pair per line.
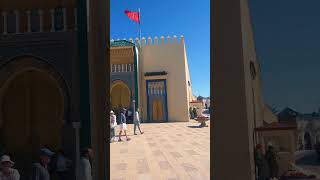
(168,18)
(287,36)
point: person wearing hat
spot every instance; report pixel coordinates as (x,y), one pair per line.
(123,125)
(113,124)
(40,169)
(7,172)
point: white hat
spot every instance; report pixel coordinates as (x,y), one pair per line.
(111,112)
(5,158)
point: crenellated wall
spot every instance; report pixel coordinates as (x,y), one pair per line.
(168,54)
(155,40)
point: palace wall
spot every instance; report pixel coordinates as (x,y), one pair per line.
(168,55)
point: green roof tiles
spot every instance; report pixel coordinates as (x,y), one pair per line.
(121,43)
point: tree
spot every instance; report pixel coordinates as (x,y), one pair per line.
(191,112)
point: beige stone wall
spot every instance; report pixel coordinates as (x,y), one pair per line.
(281,139)
(269,116)
(170,57)
(254,101)
(284,142)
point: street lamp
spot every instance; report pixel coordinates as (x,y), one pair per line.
(134,109)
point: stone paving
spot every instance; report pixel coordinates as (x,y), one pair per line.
(166,151)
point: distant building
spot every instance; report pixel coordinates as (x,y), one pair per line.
(308,127)
(155,75)
(196,104)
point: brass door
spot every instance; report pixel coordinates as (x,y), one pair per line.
(120,96)
(157,110)
(32,112)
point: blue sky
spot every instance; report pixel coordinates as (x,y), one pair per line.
(168,18)
(287,36)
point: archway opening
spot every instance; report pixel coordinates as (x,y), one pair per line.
(32,108)
(120,96)
(307,141)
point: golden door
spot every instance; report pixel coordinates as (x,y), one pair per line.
(32,113)
(157,110)
(120,96)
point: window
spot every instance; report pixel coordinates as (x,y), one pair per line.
(189,83)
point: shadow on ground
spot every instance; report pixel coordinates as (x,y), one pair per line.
(194,126)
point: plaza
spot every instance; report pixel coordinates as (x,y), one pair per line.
(166,151)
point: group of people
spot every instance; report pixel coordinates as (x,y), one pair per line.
(49,165)
(123,124)
(266,162)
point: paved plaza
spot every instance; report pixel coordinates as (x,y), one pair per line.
(166,151)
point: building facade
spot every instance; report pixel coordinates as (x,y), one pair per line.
(153,76)
(40,82)
(308,127)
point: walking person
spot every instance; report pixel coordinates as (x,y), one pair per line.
(40,169)
(123,125)
(63,165)
(136,121)
(85,166)
(7,172)
(113,125)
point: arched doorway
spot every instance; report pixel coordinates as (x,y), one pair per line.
(32,113)
(120,95)
(307,141)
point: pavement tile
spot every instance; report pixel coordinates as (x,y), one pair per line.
(166,151)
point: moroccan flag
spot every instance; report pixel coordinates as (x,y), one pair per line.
(134,16)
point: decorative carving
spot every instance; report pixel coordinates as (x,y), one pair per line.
(22,63)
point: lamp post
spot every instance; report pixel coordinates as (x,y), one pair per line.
(134,108)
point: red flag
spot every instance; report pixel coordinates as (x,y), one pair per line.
(134,16)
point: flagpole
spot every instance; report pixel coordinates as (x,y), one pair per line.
(140,27)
